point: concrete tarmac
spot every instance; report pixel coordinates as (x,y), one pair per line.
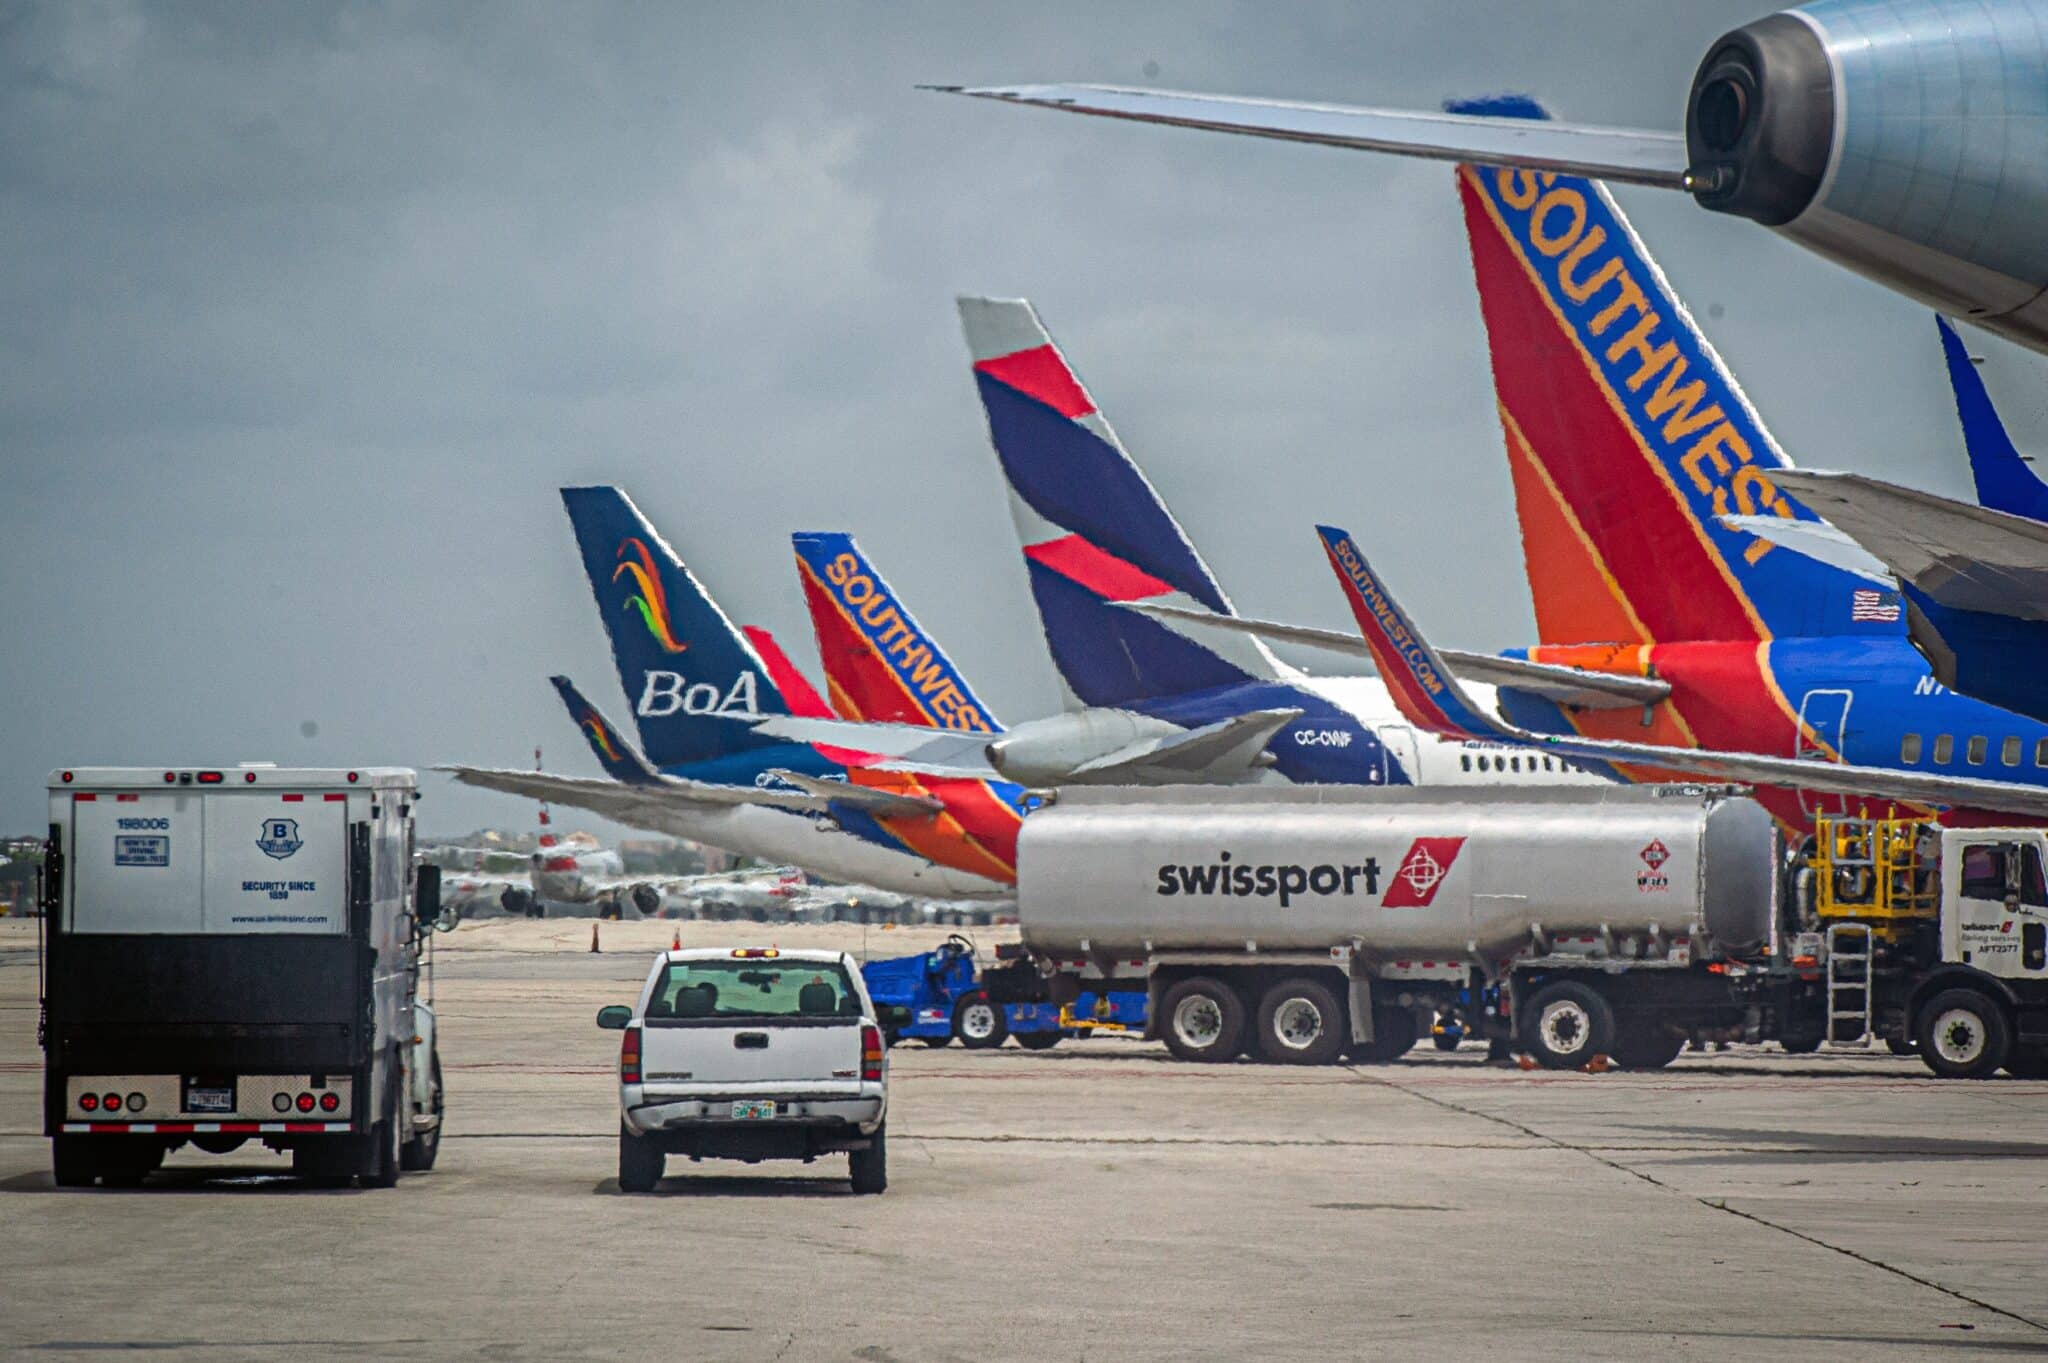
(1095,1201)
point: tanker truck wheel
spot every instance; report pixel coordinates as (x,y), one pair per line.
(1203,1020)
(1566,1025)
(1963,1035)
(1394,1031)
(1301,1023)
(979,1022)
(1643,1045)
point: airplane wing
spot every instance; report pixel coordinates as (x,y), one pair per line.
(880,803)
(1427,693)
(1629,155)
(1567,686)
(1234,742)
(1964,557)
(1820,541)
(916,747)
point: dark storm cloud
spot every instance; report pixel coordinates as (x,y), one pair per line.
(310,309)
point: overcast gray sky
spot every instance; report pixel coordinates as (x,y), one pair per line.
(310,308)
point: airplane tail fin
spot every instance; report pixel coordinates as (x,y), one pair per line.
(1094,531)
(1627,437)
(2004,482)
(620,759)
(797,692)
(880,664)
(693,679)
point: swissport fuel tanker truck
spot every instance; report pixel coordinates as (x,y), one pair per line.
(237,954)
(1305,923)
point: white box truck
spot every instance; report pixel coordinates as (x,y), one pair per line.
(238,953)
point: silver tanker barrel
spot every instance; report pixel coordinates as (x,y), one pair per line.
(1465,876)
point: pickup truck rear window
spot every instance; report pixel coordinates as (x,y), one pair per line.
(753,989)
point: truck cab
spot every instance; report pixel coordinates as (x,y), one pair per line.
(751,1053)
(236,954)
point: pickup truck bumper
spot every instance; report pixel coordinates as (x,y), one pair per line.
(800,1129)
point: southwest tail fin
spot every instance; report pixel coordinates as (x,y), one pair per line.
(1095,533)
(621,760)
(2004,482)
(1627,437)
(693,679)
(880,664)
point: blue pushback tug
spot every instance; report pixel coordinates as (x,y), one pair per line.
(947,999)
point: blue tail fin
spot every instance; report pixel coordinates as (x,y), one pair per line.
(690,675)
(1094,531)
(2004,482)
(621,760)
(880,665)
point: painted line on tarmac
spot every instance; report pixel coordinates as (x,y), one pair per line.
(1712,1204)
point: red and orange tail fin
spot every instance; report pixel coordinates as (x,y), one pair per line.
(797,692)
(1627,437)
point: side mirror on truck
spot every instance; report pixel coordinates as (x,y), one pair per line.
(614,1017)
(426,894)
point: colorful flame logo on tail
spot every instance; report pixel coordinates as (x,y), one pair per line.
(650,600)
(593,724)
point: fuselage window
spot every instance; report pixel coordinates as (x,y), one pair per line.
(1974,754)
(2009,752)
(2041,752)
(1944,750)
(1465,761)
(1515,764)
(1909,749)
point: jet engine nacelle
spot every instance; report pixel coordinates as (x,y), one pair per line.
(1054,751)
(1907,142)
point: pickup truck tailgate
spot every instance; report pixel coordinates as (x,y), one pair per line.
(765,1055)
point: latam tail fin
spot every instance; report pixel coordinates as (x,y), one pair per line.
(2004,482)
(880,664)
(621,760)
(1094,531)
(693,679)
(1627,437)
(797,692)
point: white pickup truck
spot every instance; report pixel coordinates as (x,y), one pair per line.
(752,1053)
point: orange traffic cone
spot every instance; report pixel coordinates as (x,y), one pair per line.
(593,935)
(676,942)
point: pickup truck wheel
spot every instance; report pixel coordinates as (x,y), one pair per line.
(641,1162)
(417,1155)
(1393,1036)
(870,1167)
(979,1022)
(1301,1023)
(1038,1041)
(1566,1024)
(1963,1035)
(73,1162)
(1202,1019)
(1645,1046)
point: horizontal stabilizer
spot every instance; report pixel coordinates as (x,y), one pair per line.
(1821,541)
(880,803)
(1433,700)
(1962,556)
(1630,155)
(631,803)
(1210,753)
(1572,687)
(919,747)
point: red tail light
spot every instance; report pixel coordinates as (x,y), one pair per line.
(629,1056)
(111,1102)
(89,1101)
(209,778)
(558,864)
(870,1052)
(305,1102)
(329,1102)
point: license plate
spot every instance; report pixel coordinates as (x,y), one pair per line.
(209,1100)
(753,1111)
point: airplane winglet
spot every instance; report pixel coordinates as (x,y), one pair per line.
(620,759)
(2004,482)
(1422,687)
